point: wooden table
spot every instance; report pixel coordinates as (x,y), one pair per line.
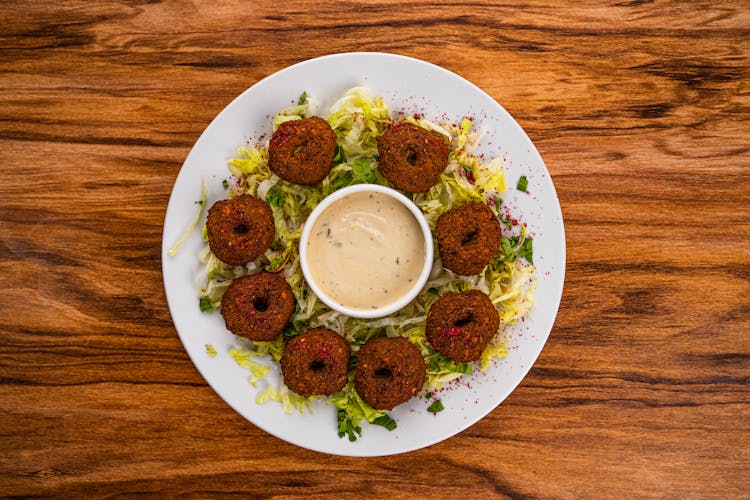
(641,111)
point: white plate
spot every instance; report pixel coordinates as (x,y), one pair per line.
(413,86)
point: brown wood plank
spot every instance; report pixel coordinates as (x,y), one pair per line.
(641,111)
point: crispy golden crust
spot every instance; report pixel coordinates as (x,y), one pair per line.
(240,230)
(468,238)
(316,362)
(389,371)
(258,307)
(460,325)
(301,151)
(412,158)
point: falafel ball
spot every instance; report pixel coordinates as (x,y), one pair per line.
(389,371)
(316,362)
(258,307)
(412,158)
(468,238)
(240,230)
(460,325)
(301,151)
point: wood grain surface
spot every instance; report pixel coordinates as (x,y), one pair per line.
(641,111)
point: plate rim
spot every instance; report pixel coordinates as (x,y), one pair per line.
(171,207)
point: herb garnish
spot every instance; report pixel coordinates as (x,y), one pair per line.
(385,421)
(339,157)
(436,407)
(441,363)
(514,248)
(205,305)
(295,327)
(523,183)
(342,181)
(346,427)
(274,197)
(362,171)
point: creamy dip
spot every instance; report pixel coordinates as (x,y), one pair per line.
(366,250)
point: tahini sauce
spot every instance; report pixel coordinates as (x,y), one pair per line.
(366,250)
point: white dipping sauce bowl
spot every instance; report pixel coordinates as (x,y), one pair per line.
(399,302)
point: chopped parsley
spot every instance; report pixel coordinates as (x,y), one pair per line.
(225,183)
(441,363)
(276,264)
(527,250)
(385,421)
(513,250)
(523,183)
(340,156)
(507,244)
(346,427)
(342,181)
(295,327)
(205,305)
(302,99)
(436,407)
(464,368)
(274,197)
(362,171)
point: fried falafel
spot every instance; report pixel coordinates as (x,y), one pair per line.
(412,158)
(389,371)
(258,307)
(316,362)
(302,151)
(240,229)
(460,325)
(468,238)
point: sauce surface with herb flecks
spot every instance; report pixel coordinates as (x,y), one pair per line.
(366,250)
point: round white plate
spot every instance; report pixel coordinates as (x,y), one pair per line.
(409,86)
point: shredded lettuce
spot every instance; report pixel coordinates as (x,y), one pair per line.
(445,131)
(352,411)
(466,179)
(491,177)
(218,277)
(243,358)
(511,289)
(358,119)
(497,349)
(172,251)
(441,370)
(305,107)
(250,161)
(289,400)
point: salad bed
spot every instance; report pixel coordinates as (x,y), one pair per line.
(358,119)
